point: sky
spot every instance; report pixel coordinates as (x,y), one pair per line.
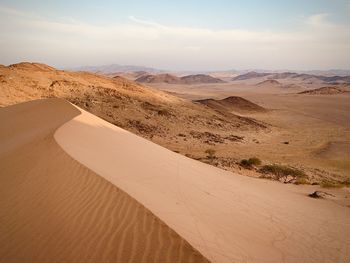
(178,35)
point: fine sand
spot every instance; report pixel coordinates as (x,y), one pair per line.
(227,217)
(54,209)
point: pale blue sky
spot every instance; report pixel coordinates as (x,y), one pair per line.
(188,35)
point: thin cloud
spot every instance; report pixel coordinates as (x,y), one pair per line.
(145,23)
(137,40)
(15,12)
(318,19)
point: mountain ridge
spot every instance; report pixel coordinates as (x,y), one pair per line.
(172,79)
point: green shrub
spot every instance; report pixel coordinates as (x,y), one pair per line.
(282,172)
(250,162)
(346,183)
(301,180)
(254,161)
(164,112)
(329,184)
(245,162)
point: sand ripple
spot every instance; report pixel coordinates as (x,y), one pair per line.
(53,209)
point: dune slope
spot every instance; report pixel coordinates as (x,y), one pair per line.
(227,217)
(53,209)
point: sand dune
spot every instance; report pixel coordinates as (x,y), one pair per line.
(227,217)
(54,209)
(75,188)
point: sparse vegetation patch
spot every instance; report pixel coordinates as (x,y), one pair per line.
(332,184)
(248,163)
(283,173)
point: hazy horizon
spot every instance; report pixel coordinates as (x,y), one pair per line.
(181,36)
(205,70)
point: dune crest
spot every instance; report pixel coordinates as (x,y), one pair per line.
(228,218)
(54,209)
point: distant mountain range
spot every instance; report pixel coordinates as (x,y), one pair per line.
(171,79)
(114,68)
(291,75)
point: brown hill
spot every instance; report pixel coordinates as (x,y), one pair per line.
(324,91)
(232,104)
(250,75)
(31,66)
(159,78)
(269,82)
(294,76)
(171,79)
(167,120)
(128,74)
(200,79)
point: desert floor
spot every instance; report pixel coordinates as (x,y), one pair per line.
(316,127)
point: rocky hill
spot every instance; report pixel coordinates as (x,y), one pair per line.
(159,78)
(171,79)
(269,82)
(170,121)
(292,76)
(232,104)
(250,75)
(324,91)
(200,79)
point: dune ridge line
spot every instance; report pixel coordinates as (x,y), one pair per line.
(227,217)
(54,209)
